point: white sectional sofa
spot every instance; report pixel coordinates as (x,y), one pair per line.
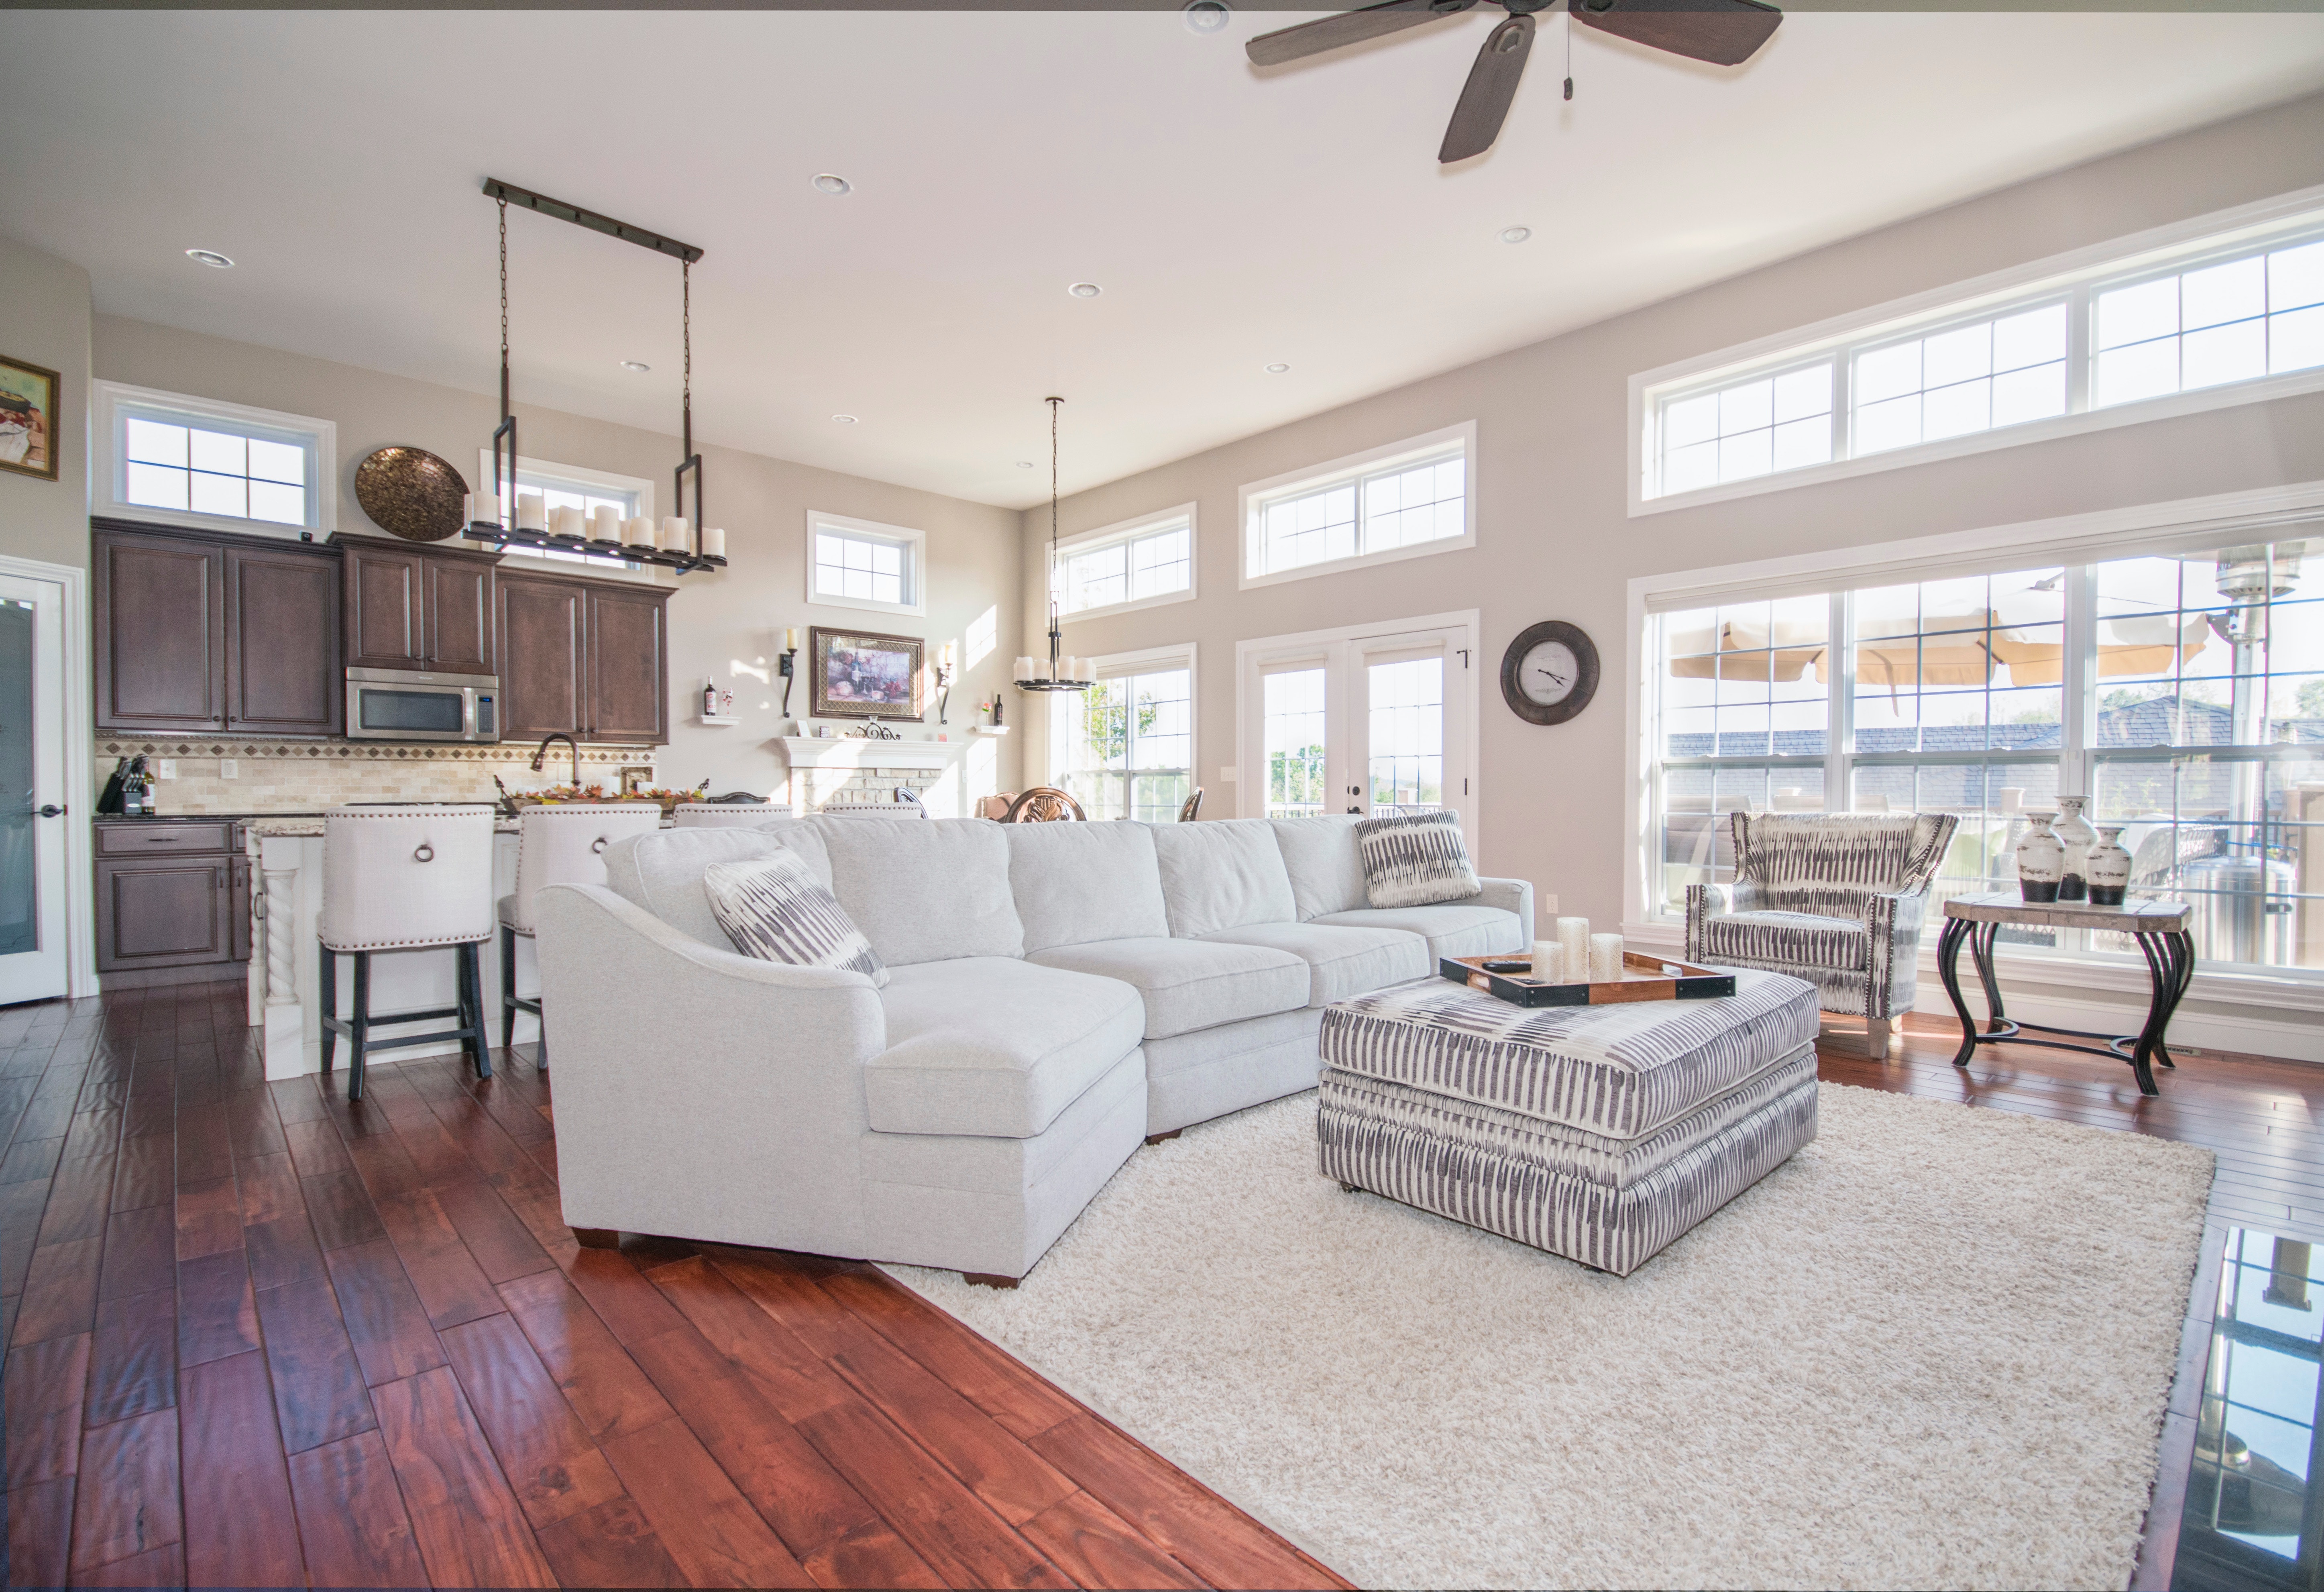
(1056,993)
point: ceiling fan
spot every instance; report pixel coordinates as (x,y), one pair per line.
(1724,32)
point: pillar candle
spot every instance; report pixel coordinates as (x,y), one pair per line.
(467,508)
(1574,935)
(713,542)
(1549,961)
(1024,669)
(606,524)
(639,532)
(564,522)
(483,508)
(530,515)
(1604,959)
(790,639)
(673,533)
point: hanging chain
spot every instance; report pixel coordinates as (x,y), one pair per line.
(685,330)
(503,283)
(1053,478)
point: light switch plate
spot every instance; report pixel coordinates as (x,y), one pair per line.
(228,769)
(1228,773)
(168,769)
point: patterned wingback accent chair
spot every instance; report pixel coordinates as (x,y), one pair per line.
(1837,898)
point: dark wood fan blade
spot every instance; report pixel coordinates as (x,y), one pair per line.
(1349,27)
(1724,32)
(1492,85)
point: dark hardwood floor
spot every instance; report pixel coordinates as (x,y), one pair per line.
(258,1336)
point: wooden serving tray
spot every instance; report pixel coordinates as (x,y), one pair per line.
(1644,978)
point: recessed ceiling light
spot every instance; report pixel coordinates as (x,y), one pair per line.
(640,366)
(832,183)
(1084,290)
(1277,369)
(844,420)
(209,258)
(1024,464)
(1207,16)
(1516,233)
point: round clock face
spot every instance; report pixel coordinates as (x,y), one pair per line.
(1549,673)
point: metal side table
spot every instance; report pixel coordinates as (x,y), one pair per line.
(2160,927)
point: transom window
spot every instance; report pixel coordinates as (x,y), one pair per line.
(571,487)
(1134,565)
(1125,747)
(1412,497)
(193,460)
(860,564)
(2232,301)
(2184,692)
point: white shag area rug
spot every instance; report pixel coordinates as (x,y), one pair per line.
(1930,1350)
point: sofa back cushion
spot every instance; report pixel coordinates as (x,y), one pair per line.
(1077,883)
(662,874)
(926,892)
(1325,865)
(775,908)
(1222,875)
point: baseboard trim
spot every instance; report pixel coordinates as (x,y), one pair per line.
(157,977)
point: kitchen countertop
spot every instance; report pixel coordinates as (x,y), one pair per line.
(266,824)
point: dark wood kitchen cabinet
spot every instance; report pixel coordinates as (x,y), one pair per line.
(406,608)
(588,659)
(199,633)
(170,894)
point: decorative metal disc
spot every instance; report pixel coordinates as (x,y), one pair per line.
(410,492)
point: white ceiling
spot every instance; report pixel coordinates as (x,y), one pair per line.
(1232,217)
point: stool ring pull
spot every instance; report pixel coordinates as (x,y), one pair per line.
(425,852)
(598,844)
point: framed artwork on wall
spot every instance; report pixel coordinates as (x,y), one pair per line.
(860,675)
(27,419)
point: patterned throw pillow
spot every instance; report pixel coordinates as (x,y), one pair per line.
(1414,861)
(775,908)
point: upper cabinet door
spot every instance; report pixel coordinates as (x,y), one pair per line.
(460,593)
(540,635)
(160,634)
(283,642)
(629,692)
(386,615)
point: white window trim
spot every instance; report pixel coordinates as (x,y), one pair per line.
(916,540)
(1247,499)
(596,569)
(108,480)
(2140,254)
(2070,539)
(1140,662)
(1130,530)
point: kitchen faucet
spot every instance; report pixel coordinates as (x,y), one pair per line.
(543,752)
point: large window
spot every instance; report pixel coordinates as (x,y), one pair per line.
(1125,747)
(1135,565)
(860,564)
(2184,691)
(2223,310)
(1409,498)
(179,459)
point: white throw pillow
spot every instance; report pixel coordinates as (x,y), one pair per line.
(1415,861)
(775,908)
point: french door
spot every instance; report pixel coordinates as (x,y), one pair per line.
(33,815)
(1377,720)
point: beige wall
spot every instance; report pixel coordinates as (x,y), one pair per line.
(726,625)
(44,315)
(1554,538)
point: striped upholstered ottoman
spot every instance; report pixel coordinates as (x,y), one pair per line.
(1598,1133)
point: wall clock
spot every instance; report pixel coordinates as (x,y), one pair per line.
(1550,672)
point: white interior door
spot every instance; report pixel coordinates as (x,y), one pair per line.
(1372,722)
(33,815)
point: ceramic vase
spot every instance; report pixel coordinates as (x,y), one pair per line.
(2075,834)
(2041,858)
(2108,867)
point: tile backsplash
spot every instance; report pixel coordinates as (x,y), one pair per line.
(305,776)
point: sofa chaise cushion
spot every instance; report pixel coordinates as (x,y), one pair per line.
(1453,929)
(1076,884)
(1191,984)
(1342,960)
(992,1045)
(926,891)
(1221,875)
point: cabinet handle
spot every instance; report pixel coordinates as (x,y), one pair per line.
(217,878)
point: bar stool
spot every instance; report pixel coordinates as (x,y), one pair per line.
(558,846)
(405,878)
(698,815)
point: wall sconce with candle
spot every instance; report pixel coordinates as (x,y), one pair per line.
(787,665)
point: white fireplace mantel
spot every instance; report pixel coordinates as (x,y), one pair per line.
(854,751)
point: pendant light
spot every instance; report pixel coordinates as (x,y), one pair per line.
(1061,673)
(681,543)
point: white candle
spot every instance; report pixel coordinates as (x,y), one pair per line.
(790,639)
(638,532)
(1549,961)
(565,522)
(530,515)
(1574,935)
(673,533)
(713,542)
(606,524)
(1024,669)
(467,508)
(485,508)
(1604,959)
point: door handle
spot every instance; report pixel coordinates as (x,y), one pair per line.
(52,810)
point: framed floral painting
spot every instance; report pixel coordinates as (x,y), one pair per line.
(860,675)
(27,419)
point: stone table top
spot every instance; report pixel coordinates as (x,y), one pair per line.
(2136,916)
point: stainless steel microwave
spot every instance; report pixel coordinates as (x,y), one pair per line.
(409,705)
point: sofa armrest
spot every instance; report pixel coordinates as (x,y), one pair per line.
(701,1094)
(1893,922)
(1511,895)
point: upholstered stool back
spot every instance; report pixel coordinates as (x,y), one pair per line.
(565,846)
(396,878)
(698,815)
